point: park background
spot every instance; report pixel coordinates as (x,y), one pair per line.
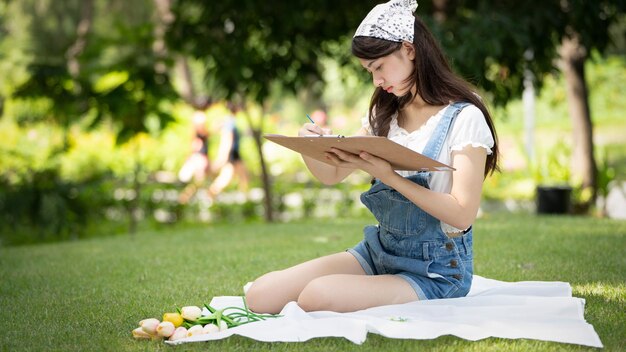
(96,99)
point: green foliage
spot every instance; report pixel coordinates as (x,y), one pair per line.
(252,48)
(605,78)
(55,184)
(117,75)
(243,48)
(527,36)
(616,158)
(553,166)
(553,133)
(48,208)
(517,185)
(64,123)
(606,172)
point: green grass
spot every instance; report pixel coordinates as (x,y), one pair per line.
(88,295)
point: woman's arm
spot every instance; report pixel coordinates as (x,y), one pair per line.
(325,173)
(458,208)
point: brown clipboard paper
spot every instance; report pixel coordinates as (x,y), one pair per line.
(400,157)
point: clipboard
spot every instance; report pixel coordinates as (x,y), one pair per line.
(400,157)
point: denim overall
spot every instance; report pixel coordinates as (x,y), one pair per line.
(410,242)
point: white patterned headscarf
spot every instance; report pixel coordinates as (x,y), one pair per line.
(392,21)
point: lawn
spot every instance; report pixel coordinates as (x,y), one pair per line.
(88,295)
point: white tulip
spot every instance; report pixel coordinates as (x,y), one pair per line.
(140,334)
(191,313)
(195,330)
(211,328)
(179,333)
(223,325)
(149,325)
(165,329)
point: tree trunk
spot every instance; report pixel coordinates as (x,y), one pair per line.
(265,176)
(164,18)
(72,54)
(573,56)
(188,92)
(442,10)
(77,48)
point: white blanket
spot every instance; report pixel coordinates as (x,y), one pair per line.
(531,310)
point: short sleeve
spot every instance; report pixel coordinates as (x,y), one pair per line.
(471,128)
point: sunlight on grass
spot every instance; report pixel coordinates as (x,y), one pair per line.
(609,292)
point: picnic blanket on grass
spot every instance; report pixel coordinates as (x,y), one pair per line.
(512,310)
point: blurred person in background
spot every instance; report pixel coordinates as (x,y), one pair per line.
(320,117)
(228,161)
(197,166)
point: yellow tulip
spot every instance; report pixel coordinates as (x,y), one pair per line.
(173,318)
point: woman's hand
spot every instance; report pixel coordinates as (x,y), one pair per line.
(375,166)
(312,129)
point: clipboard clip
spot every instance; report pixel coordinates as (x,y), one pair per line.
(325,136)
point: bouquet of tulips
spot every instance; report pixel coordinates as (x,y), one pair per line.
(192,320)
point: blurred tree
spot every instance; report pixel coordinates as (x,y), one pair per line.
(95,61)
(110,59)
(95,56)
(490,43)
(249,46)
(587,28)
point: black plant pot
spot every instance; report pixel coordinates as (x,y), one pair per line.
(553,199)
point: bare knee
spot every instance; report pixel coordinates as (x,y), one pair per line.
(317,295)
(261,296)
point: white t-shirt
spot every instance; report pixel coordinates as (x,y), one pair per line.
(468,128)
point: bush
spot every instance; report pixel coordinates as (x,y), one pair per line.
(48,208)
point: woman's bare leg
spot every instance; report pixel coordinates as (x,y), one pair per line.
(242,176)
(349,293)
(222,180)
(336,282)
(270,292)
(199,164)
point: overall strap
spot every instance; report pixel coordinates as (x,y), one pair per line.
(434,145)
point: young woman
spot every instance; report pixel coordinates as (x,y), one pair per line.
(422,246)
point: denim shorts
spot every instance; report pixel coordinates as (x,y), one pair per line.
(435,268)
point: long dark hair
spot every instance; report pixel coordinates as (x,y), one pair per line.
(436,83)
